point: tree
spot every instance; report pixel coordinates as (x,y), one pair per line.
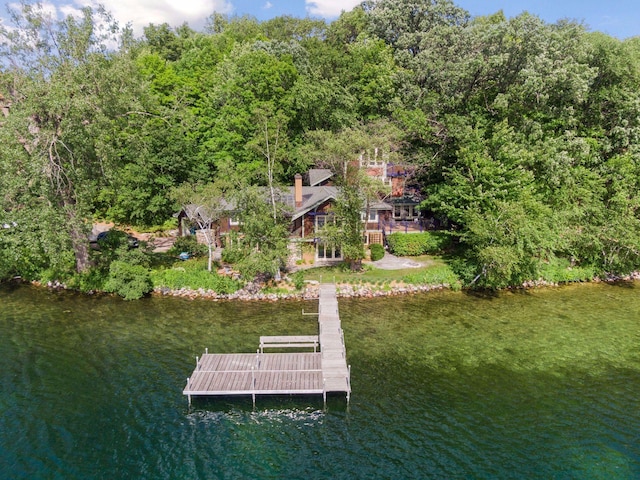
(265,236)
(67,94)
(156,149)
(248,82)
(271,142)
(204,205)
(340,152)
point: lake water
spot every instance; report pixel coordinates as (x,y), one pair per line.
(539,384)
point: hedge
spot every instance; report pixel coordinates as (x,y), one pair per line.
(414,244)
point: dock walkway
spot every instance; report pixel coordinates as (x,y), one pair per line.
(292,373)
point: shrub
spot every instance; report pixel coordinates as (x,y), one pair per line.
(414,244)
(93,280)
(298,280)
(170,224)
(194,279)
(128,281)
(437,275)
(377,252)
(559,270)
(190,245)
(233,254)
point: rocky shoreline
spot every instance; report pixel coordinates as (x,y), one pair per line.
(311,290)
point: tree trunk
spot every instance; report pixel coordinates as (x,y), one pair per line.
(79,240)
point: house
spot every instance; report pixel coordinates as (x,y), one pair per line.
(311,206)
(310,200)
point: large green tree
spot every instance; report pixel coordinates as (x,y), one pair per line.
(68,93)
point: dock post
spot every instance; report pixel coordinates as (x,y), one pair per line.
(349,385)
(253,386)
(324,392)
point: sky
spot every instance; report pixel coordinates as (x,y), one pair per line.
(619,18)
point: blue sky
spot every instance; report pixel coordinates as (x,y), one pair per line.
(620,18)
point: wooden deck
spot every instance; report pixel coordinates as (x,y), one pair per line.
(292,373)
(335,372)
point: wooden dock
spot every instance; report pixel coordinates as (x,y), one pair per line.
(292,373)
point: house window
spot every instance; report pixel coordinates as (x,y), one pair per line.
(373,216)
(233,220)
(322,220)
(373,158)
(404,212)
(327,251)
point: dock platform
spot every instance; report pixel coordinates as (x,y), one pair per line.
(291,373)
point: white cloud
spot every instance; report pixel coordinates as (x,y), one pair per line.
(329,8)
(141,13)
(67,10)
(267,6)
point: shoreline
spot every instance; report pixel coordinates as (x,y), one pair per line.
(311,292)
(344,290)
(361,291)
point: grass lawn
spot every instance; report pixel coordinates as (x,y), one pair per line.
(435,270)
(170,272)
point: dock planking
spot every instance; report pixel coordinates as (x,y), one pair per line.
(291,373)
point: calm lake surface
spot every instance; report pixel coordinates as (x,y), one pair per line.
(542,384)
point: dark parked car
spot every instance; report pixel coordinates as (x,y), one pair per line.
(131,240)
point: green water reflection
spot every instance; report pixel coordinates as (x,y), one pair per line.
(539,384)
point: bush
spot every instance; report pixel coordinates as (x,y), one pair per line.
(233,254)
(190,245)
(377,252)
(128,281)
(437,275)
(170,224)
(559,270)
(298,280)
(414,244)
(194,278)
(93,280)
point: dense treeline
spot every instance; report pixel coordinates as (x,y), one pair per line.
(525,134)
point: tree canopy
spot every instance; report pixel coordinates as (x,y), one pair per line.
(525,135)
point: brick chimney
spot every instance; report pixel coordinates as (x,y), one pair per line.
(298,190)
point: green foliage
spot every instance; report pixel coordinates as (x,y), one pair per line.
(117,245)
(377,252)
(298,280)
(189,244)
(263,247)
(525,135)
(234,254)
(92,281)
(559,270)
(129,281)
(414,244)
(436,275)
(194,275)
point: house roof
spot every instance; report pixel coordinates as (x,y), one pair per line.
(204,212)
(312,197)
(380,206)
(318,175)
(406,199)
